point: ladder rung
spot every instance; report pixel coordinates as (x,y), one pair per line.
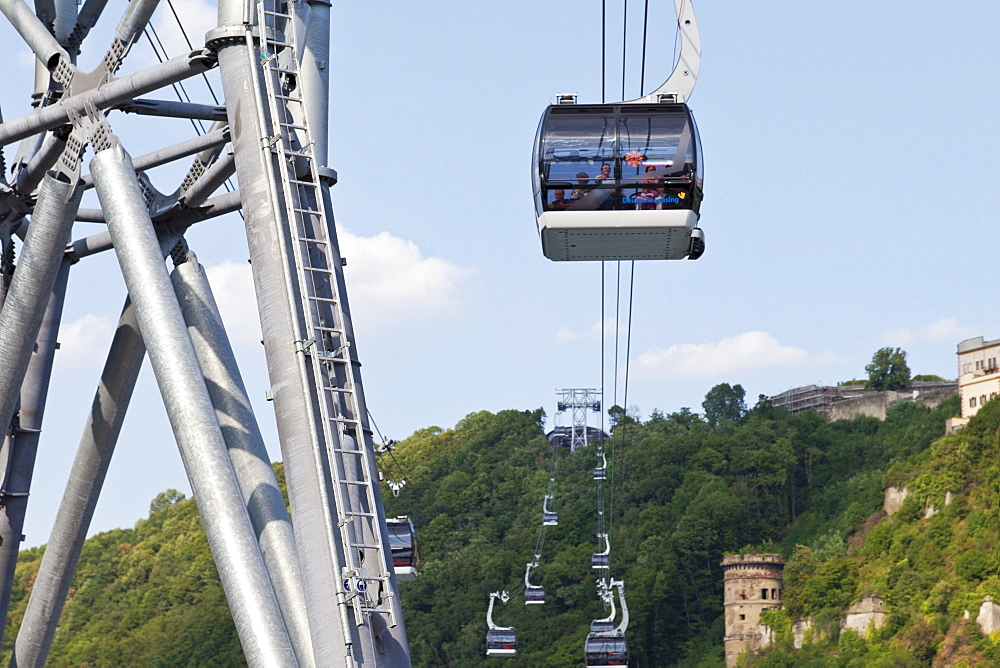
(302,183)
(311,240)
(342,390)
(345,451)
(293,125)
(268,12)
(311,211)
(358,483)
(328,300)
(359,514)
(369,546)
(318,270)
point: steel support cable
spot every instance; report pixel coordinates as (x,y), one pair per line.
(604,58)
(624,43)
(178,87)
(642,69)
(617,456)
(378,431)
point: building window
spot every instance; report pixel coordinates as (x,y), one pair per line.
(743,618)
(774,594)
(763,594)
(982,399)
(972,402)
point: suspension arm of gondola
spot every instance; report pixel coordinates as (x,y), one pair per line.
(682,79)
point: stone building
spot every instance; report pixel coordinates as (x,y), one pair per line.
(752,584)
(978,377)
(843,402)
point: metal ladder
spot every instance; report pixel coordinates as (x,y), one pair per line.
(323,340)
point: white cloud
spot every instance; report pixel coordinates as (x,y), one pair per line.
(197,16)
(592,333)
(750,350)
(84,343)
(232,286)
(389,280)
(945,330)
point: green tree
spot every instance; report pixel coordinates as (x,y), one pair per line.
(888,370)
(724,402)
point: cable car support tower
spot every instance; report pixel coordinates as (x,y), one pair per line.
(322,593)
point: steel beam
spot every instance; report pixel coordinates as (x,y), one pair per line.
(21,445)
(173,109)
(247,451)
(108,95)
(208,140)
(212,208)
(34,278)
(34,32)
(230,535)
(210,181)
(104,423)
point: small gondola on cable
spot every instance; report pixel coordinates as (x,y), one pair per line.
(623,181)
(403,545)
(602,649)
(550,518)
(533,594)
(606,644)
(500,640)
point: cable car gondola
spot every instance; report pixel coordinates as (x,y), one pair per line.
(618,182)
(549,517)
(602,559)
(601,472)
(605,650)
(601,626)
(403,545)
(500,640)
(624,180)
(606,644)
(533,594)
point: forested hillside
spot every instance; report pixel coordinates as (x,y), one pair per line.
(932,563)
(687,488)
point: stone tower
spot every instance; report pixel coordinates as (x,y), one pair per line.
(752,584)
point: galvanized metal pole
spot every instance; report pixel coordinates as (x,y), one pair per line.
(309,490)
(230,535)
(22,444)
(246,446)
(31,286)
(104,423)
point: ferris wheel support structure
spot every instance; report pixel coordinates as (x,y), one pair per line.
(325,594)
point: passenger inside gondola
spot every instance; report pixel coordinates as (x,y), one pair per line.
(559,201)
(582,179)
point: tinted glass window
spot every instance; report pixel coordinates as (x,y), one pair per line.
(661,141)
(577,144)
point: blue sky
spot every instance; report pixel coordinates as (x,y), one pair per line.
(850,197)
